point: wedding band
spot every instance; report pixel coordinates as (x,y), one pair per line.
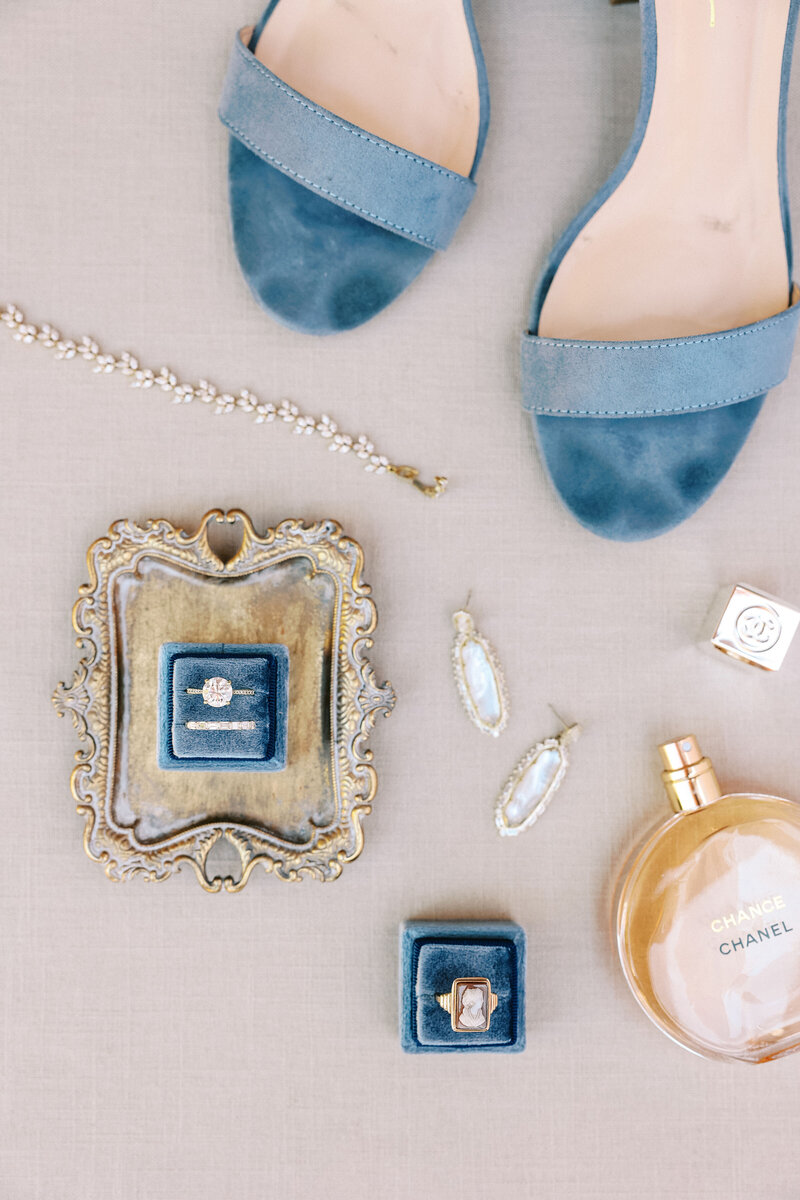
(470,1003)
(220,725)
(217,692)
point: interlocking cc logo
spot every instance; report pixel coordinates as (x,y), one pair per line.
(758,628)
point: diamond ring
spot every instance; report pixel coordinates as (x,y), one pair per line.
(470,1003)
(226,725)
(218,691)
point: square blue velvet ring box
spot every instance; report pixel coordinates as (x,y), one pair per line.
(222,707)
(462,987)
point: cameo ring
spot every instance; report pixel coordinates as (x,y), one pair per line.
(218,691)
(470,1003)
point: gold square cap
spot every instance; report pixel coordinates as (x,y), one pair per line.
(756,628)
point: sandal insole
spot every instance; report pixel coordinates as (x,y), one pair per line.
(404,71)
(692,240)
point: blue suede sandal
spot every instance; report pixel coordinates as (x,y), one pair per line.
(356,133)
(660,321)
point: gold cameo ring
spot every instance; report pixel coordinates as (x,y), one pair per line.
(470,1003)
(219,691)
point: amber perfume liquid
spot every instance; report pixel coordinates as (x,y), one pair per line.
(708,917)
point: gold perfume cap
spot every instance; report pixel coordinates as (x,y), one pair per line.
(689,777)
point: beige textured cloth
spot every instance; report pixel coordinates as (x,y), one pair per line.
(159,1043)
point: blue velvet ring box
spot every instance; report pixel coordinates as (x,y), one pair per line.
(435,953)
(262,670)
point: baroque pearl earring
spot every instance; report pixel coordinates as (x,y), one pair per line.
(478,676)
(533,783)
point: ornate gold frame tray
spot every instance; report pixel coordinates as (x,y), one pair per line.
(153,586)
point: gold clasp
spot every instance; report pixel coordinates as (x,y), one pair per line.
(412,475)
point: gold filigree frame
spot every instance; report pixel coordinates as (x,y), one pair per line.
(355,698)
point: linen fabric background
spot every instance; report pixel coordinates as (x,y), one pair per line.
(161,1043)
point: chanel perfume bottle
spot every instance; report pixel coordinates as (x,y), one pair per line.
(708,916)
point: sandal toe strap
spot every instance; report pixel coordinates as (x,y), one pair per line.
(571,378)
(387,185)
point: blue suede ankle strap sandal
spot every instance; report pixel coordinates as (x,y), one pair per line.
(666,311)
(356,131)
